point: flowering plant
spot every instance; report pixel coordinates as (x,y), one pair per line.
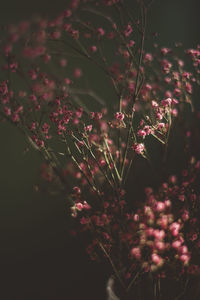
(130,166)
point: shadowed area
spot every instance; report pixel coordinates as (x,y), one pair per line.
(38,259)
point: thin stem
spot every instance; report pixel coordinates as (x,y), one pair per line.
(132,281)
(137,88)
(83,173)
(112,264)
(94,157)
(167,138)
(112,160)
(155,290)
(183,291)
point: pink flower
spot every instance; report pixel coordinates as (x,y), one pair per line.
(63,62)
(148,57)
(84,221)
(172,179)
(165,51)
(185,258)
(183,249)
(4,88)
(159,234)
(174,101)
(67,13)
(34,52)
(163,222)
(7,111)
(159,116)
(159,245)
(79,206)
(67,81)
(93,49)
(86,206)
(167,203)
(136,217)
(154,104)
(56,35)
(174,228)
(77,73)
(148,129)
(139,148)
(15,117)
(76,189)
(131,43)
(149,231)
(156,259)
(174,112)
(128,30)
(166,102)
(181,198)
(159,206)
(188,87)
(141,133)
(88,128)
(185,215)
(100,31)
(136,252)
(161,126)
(119,116)
(176,244)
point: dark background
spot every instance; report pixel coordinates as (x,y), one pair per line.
(38,261)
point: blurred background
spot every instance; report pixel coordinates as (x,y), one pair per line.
(38,260)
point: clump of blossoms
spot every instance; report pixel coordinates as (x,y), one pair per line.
(101,110)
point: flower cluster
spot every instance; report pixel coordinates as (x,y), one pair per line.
(57,76)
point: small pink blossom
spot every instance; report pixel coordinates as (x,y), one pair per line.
(119,116)
(174,112)
(160,245)
(136,252)
(84,221)
(139,148)
(154,104)
(56,35)
(128,30)
(7,111)
(141,133)
(131,43)
(185,258)
(93,49)
(183,249)
(102,162)
(156,259)
(173,179)
(136,217)
(159,206)
(100,31)
(77,73)
(159,234)
(161,126)
(86,206)
(166,102)
(165,50)
(148,57)
(163,222)
(181,198)
(88,128)
(63,62)
(176,244)
(167,203)
(79,206)
(67,13)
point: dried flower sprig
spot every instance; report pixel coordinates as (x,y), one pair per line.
(56,77)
